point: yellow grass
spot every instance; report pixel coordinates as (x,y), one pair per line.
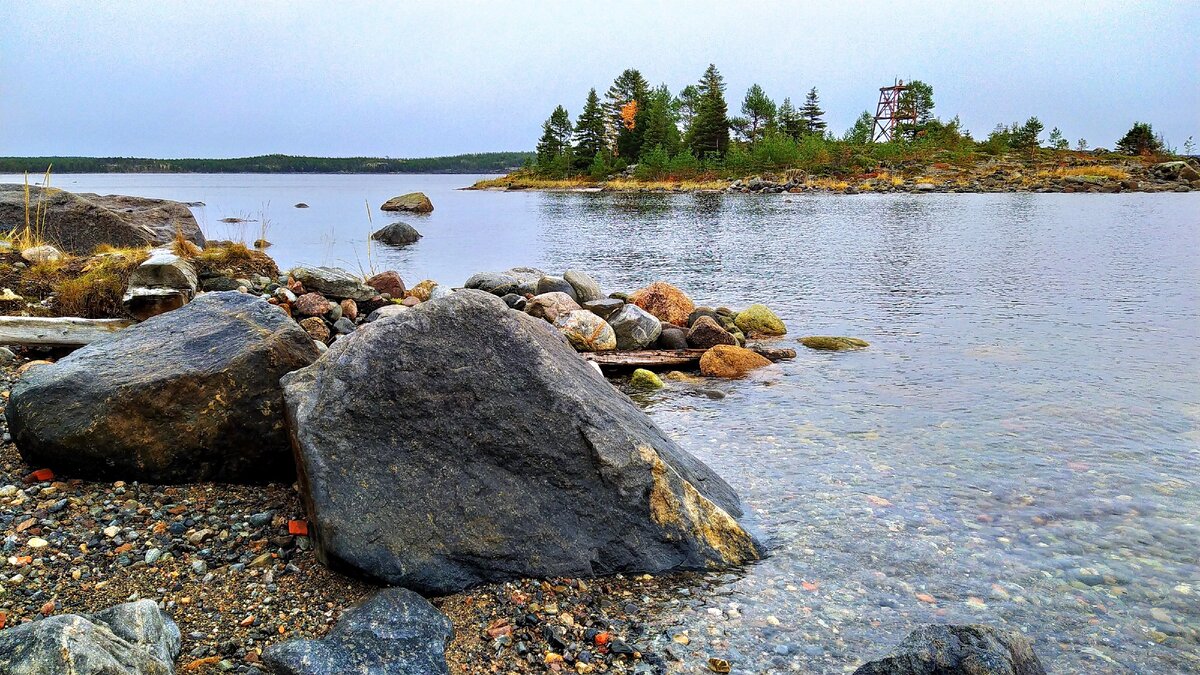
(828,184)
(635,184)
(1093,171)
(526,182)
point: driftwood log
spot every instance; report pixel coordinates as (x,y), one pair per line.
(36,331)
(658,359)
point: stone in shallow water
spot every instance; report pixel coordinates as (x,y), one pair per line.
(759,321)
(499,428)
(958,650)
(833,343)
(729,361)
(395,632)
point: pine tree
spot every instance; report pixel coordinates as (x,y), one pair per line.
(590,132)
(554,148)
(687,104)
(622,101)
(862,129)
(790,122)
(1057,141)
(916,102)
(759,111)
(660,122)
(1140,140)
(709,132)
(812,114)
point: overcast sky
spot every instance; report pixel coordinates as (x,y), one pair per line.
(403,79)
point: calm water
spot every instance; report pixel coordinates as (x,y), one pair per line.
(1019,446)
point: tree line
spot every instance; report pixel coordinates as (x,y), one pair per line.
(661,133)
(486,162)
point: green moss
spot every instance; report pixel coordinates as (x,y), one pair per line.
(644,379)
(758,320)
(833,343)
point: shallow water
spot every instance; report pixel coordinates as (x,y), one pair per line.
(1019,446)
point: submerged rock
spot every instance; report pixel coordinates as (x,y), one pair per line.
(503,427)
(759,321)
(130,639)
(729,361)
(635,327)
(394,632)
(333,281)
(958,650)
(833,343)
(190,395)
(396,234)
(413,202)
(664,301)
(586,332)
(78,223)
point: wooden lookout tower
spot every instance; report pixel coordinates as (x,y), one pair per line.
(889,113)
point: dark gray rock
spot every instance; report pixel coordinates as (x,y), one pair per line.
(515,301)
(344,326)
(185,396)
(635,327)
(490,282)
(503,455)
(671,337)
(333,282)
(958,650)
(78,223)
(604,307)
(586,288)
(130,639)
(394,632)
(706,333)
(549,284)
(218,283)
(397,234)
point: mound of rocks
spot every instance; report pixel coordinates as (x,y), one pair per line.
(189,395)
(951,649)
(506,456)
(130,639)
(78,223)
(413,202)
(394,632)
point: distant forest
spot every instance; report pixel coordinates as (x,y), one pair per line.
(484,162)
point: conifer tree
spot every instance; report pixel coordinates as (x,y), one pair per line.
(1140,140)
(789,120)
(660,122)
(623,100)
(759,111)
(590,132)
(861,131)
(709,132)
(812,114)
(554,147)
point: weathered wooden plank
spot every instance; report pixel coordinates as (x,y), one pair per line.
(645,358)
(36,331)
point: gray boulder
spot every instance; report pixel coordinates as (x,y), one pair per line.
(958,650)
(386,311)
(635,327)
(552,284)
(671,337)
(490,282)
(334,282)
(394,632)
(603,307)
(706,333)
(185,396)
(503,455)
(78,223)
(527,278)
(413,202)
(130,639)
(397,234)
(586,288)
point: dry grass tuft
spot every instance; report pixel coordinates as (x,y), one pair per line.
(1091,171)
(98,288)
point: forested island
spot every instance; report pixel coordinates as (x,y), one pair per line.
(643,137)
(483,162)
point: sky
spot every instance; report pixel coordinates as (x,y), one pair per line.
(161,78)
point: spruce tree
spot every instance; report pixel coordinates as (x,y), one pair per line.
(790,122)
(554,147)
(709,132)
(623,100)
(862,129)
(812,114)
(759,111)
(590,132)
(660,122)
(1140,140)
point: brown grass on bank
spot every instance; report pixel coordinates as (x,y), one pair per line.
(233,258)
(1090,171)
(94,288)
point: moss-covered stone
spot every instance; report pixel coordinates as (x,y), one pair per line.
(758,320)
(833,343)
(644,379)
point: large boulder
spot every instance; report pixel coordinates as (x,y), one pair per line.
(958,650)
(500,454)
(413,202)
(635,327)
(550,306)
(185,396)
(664,301)
(396,234)
(759,321)
(78,223)
(333,281)
(130,639)
(394,632)
(586,332)
(706,332)
(586,288)
(729,361)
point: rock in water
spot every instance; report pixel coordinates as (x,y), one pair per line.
(645,379)
(833,343)
(635,327)
(190,395)
(130,639)
(586,288)
(413,202)
(395,632)
(759,321)
(78,223)
(505,455)
(949,649)
(664,301)
(729,361)
(333,281)
(586,332)
(397,234)
(706,332)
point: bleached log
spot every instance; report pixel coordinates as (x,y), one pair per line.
(36,331)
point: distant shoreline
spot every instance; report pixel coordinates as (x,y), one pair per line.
(477,163)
